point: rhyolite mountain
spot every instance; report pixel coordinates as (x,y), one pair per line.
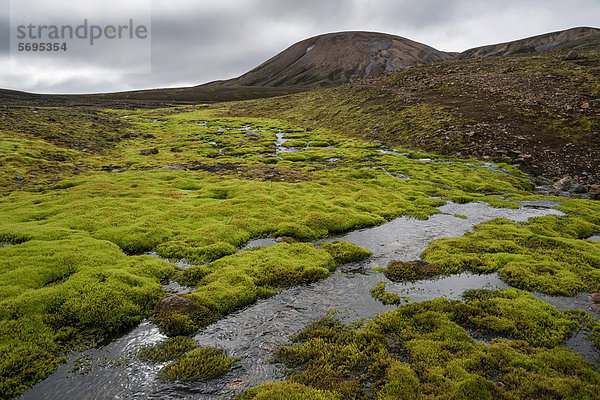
(337,58)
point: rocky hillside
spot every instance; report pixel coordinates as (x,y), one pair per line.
(537,111)
(556,40)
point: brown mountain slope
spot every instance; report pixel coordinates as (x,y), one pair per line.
(337,58)
(561,39)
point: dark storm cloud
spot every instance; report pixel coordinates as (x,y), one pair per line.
(199,41)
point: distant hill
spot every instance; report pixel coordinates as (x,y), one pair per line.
(568,38)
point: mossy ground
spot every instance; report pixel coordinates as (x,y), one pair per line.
(422,351)
(546,254)
(187,362)
(200,364)
(77,227)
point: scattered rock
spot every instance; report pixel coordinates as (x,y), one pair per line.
(594,192)
(19,178)
(175,303)
(595,298)
(129,136)
(564,184)
(147,152)
(254,135)
(149,136)
(308,129)
(177,315)
(176,150)
(578,188)
(573,55)
(284,239)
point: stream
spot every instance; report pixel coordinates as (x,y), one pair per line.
(253,333)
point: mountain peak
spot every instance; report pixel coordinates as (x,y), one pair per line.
(337,58)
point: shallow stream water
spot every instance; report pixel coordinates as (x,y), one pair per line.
(255,331)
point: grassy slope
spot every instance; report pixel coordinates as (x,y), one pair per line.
(527,109)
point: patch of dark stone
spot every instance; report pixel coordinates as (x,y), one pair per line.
(147,152)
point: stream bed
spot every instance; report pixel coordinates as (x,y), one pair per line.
(112,371)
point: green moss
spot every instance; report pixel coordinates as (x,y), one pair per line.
(546,254)
(184,322)
(170,349)
(515,314)
(286,391)
(400,383)
(379,293)
(70,271)
(198,365)
(240,279)
(345,252)
(319,143)
(411,270)
(56,293)
(478,387)
(295,143)
(421,351)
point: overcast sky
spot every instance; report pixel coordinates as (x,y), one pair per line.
(196,41)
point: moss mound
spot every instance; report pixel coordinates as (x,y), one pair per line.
(411,270)
(200,364)
(345,252)
(287,391)
(170,349)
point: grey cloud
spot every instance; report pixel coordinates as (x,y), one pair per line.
(199,41)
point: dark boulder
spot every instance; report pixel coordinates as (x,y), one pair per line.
(147,152)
